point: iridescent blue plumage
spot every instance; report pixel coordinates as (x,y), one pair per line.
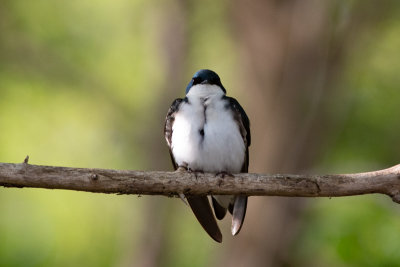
(205,76)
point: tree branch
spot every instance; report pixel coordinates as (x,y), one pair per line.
(385,181)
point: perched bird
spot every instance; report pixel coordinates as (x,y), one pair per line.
(208,131)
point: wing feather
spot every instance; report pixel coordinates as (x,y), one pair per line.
(240,202)
(169,122)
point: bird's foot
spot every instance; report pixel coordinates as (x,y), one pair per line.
(195,172)
(187,169)
(223,174)
(182,169)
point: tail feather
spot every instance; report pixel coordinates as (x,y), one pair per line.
(202,210)
(238,214)
(218,209)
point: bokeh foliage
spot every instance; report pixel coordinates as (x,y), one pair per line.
(79,85)
(78,82)
(363,230)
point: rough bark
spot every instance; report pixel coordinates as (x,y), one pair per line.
(385,181)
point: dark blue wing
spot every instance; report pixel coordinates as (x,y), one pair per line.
(244,125)
(169,122)
(240,204)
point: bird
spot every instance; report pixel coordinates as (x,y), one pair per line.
(207,131)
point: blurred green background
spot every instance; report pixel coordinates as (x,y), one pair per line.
(88,84)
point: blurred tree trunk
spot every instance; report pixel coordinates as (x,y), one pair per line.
(159,213)
(287,52)
(292,52)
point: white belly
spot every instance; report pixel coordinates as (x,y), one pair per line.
(221,148)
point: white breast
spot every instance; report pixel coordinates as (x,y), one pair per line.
(222,147)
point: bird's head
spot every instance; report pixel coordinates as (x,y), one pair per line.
(205,77)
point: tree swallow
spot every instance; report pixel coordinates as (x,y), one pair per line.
(208,131)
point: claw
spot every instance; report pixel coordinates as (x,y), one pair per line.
(196,173)
(181,169)
(183,198)
(223,174)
